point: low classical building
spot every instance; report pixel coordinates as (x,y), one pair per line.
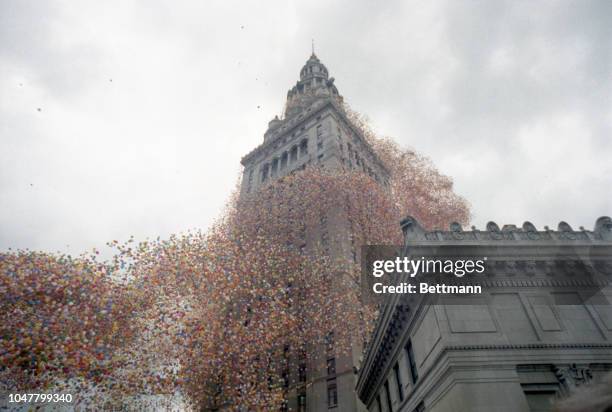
(541,327)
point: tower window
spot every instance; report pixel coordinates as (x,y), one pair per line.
(294,154)
(265,171)
(250,181)
(303,147)
(329,341)
(331,366)
(283,162)
(302,402)
(332,394)
(274,166)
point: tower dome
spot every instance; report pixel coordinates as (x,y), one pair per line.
(314,84)
(313,68)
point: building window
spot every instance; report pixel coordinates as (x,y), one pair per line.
(264,173)
(320,157)
(320,145)
(274,166)
(325,241)
(270,382)
(294,154)
(329,342)
(303,147)
(398,382)
(540,400)
(302,372)
(319,131)
(332,394)
(302,402)
(420,407)
(331,366)
(388,396)
(250,183)
(411,362)
(283,162)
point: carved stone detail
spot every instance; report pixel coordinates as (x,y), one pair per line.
(571,377)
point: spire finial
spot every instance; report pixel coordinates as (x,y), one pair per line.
(313,47)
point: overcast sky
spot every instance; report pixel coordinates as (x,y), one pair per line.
(122,118)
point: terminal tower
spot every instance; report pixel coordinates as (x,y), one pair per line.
(315,131)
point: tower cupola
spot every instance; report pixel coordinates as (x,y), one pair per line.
(313,68)
(314,84)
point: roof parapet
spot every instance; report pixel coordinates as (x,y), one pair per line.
(413,231)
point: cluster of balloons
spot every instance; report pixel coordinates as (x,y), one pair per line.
(206,319)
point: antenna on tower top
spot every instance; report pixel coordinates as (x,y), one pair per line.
(313,47)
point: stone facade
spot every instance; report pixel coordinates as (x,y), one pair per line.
(541,327)
(315,131)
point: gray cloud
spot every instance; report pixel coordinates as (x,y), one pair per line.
(146,108)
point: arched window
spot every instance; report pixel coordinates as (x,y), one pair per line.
(274,166)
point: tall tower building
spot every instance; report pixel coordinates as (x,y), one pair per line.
(315,131)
